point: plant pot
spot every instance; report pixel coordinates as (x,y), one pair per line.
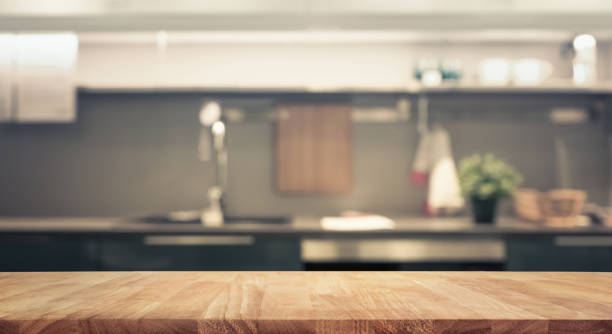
(484,210)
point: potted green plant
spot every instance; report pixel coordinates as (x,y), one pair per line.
(485,180)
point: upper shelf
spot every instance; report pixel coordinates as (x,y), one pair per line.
(562,87)
(559,87)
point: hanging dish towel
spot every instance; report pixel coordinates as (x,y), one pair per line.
(314,148)
(434,166)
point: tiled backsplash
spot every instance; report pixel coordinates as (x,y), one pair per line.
(134,153)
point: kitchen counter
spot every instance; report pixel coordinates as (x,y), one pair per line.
(306,302)
(67,244)
(300,226)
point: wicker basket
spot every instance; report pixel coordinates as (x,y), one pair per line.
(559,207)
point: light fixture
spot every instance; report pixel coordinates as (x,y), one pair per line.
(584,41)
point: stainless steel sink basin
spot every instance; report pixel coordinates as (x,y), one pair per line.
(193,217)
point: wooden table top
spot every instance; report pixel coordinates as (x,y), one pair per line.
(305,302)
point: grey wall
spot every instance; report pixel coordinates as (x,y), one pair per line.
(137,153)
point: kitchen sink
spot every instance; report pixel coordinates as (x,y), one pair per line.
(193,217)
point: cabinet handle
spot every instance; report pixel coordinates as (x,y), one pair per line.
(584,241)
(403,250)
(198,240)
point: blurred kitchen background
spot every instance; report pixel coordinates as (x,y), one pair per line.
(218,135)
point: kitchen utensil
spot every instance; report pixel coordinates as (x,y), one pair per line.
(452,69)
(530,71)
(494,71)
(527,204)
(423,65)
(585,60)
(559,207)
(209,114)
(212,216)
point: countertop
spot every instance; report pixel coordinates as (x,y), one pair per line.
(299,226)
(306,302)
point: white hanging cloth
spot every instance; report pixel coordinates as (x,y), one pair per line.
(434,166)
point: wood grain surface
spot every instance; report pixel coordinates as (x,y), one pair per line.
(306,302)
(314,148)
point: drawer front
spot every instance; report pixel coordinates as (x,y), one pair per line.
(173,252)
(46,253)
(561,253)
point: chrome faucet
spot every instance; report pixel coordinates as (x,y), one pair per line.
(213,126)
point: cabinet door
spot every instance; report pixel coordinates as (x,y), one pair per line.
(46,253)
(7,42)
(44,80)
(560,253)
(166,252)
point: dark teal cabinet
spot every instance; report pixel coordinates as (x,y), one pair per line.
(72,252)
(559,253)
(149,253)
(112,252)
(46,253)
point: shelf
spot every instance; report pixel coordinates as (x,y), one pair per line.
(548,88)
(602,88)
